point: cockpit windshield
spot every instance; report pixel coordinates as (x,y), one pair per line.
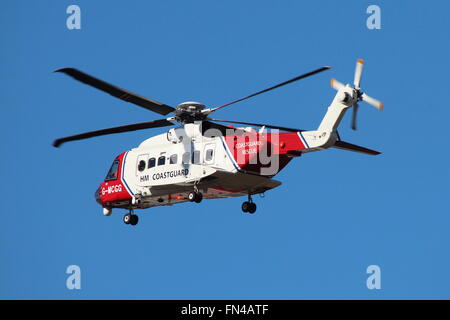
(112,173)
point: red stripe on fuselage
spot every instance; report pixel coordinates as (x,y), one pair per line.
(263,153)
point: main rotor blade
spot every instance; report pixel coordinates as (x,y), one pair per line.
(212,129)
(117,92)
(274,87)
(261,125)
(102,132)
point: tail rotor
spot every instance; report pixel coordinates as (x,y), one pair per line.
(358,95)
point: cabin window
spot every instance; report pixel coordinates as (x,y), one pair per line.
(186,157)
(141,165)
(196,157)
(112,173)
(161,160)
(173,159)
(151,163)
(209,155)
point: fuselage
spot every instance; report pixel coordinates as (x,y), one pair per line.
(166,167)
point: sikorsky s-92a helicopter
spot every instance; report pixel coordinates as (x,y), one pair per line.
(202,159)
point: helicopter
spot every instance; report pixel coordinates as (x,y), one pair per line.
(204,159)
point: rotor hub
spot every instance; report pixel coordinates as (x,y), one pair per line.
(190,111)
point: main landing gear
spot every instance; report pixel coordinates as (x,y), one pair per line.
(131,218)
(249,206)
(195,196)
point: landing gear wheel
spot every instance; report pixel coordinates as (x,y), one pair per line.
(252,208)
(198,197)
(134,220)
(127,218)
(130,218)
(195,197)
(249,207)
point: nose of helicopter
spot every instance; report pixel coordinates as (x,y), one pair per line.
(112,191)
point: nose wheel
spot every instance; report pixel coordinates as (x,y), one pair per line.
(249,206)
(131,218)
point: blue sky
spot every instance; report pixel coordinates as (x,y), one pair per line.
(336,212)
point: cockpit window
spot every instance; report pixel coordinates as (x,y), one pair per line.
(112,173)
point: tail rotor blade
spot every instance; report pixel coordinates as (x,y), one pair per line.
(354,115)
(336,84)
(358,73)
(372,101)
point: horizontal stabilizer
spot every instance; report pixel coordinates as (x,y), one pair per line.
(353,147)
